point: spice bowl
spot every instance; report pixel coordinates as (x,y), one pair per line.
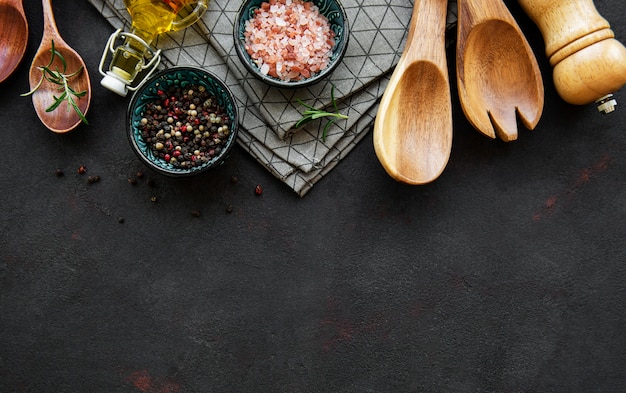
(182,121)
(275,44)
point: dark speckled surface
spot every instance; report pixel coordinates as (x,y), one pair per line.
(507,274)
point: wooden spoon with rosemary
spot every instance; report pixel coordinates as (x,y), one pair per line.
(51,84)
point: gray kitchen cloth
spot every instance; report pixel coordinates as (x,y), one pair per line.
(301,157)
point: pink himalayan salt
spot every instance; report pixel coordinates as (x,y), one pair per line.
(289,39)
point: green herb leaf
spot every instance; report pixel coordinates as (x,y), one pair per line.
(57,102)
(332,98)
(311,113)
(61,79)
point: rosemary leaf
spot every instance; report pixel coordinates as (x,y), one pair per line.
(57,102)
(311,113)
(73,74)
(61,79)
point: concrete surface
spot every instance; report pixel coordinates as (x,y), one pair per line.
(505,275)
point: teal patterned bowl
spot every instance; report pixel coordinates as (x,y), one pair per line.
(151,91)
(335,13)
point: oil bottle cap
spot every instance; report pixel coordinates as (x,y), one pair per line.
(115,84)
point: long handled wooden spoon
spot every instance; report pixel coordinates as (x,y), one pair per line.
(497,72)
(413,126)
(62,119)
(13,36)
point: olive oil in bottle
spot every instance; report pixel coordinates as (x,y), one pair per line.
(153,17)
(149,19)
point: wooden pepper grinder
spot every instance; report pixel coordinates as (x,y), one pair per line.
(589,64)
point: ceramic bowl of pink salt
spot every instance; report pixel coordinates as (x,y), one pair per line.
(291,43)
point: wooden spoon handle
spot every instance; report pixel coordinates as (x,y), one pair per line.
(426,38)
(18,4)
(475,12)
(50,29)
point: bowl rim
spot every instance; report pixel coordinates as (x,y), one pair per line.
(254,70)
(217,160)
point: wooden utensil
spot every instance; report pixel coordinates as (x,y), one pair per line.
(62,119)
(497,72)
(589,64)
(13,36)
(413,126)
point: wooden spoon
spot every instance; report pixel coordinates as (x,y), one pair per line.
(413,126)
(62,119)
(13,36)
(497,72)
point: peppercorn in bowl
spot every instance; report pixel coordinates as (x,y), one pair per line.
(291,43)
(182,121)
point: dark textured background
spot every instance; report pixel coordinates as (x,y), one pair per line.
(507,274)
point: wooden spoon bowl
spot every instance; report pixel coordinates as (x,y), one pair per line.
(62,119)
(413,126)
(13,36)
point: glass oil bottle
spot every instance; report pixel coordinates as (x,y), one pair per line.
(136,54)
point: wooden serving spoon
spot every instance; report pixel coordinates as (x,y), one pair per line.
(13,36)
(413,126)
(497,72)
(62,119)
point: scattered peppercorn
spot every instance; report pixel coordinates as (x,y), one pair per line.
(195,213)
(139,174)
(258,190)
(185,127)
(229,208)
(121,220)
(93,179)
(82,170)
(60,173)
(154,199)
(234,179)
(132,181)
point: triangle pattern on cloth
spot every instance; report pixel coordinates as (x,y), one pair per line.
(300,157)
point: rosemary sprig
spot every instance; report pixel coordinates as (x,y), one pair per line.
(311,114)
(61,79)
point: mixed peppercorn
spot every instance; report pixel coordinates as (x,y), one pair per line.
(185,127)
